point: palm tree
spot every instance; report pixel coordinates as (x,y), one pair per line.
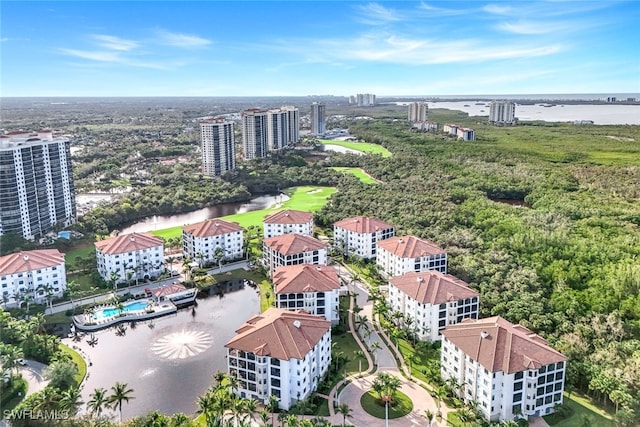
(98,401)
(440,393)
(273,404)
(70,400)
(345,411)
(121,393)
(292,421)
(429,416)
(359,354)
(375,346)
(250,408)
(170,260)
(465,416)
(264,417)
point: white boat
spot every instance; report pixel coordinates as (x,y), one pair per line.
(177,293)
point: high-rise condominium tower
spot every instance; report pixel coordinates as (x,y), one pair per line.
(36,183)
(502,112)
(218,146)
(284,127)
(255,133)
(317,119)
(366,99)
(418,112)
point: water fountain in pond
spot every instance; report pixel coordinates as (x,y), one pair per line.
(181,344)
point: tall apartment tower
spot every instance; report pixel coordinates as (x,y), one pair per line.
(318,121)
(36,184)
(255,129)
(218,146)
(284,127)
(418,112)
(365,99)
(502,112)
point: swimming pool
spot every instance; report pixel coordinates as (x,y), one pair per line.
(104,313)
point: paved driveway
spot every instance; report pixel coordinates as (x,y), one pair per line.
(33,373)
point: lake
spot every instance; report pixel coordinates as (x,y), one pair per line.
(159,222)
(170,361)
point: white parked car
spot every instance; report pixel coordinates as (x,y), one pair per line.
(21,362)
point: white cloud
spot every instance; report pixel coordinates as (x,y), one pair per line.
(101,56)
(4,39)
(440,11)
(182,40)
(495,9)
(115,43)
(375,14)
(394,49)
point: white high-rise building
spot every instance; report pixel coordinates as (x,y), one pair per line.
(502,112)
(284,127)
(280,353)
(218,146)
(508,370)
(366,99)
(255,130)
(418,112)
(36,184)
(318,120)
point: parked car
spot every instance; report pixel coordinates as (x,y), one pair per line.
(21,362)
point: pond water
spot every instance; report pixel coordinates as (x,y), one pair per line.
(169,361)
(159,222)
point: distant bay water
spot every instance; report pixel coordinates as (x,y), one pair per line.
(599,114)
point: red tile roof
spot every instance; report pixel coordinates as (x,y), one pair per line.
(410,247)
(305,278)
(212,227)
(289,244)
(432,287)
(128,243)
(363,224)
(281,334)
(501,346)
(21,262)
(165,290)
(289,216)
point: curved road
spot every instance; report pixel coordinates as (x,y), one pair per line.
(353,392)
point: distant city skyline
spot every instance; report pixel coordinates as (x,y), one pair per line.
(298,48)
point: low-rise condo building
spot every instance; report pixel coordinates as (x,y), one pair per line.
(127,257)
(212,241)
(432,300)
(281,353)
(399,255)
(312,288)
(293,249)
(288,221)
(35,275)
(511,372)
(359,235)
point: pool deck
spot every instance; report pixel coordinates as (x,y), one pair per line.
(88,325)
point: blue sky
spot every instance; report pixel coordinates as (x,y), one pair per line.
(297,48)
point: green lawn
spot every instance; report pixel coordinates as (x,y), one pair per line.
(365,147)
(78,360)
(358,173)
(308,198)
(373,406)
(581,408)
(348,345)
(81,251)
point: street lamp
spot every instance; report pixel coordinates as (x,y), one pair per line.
(386,410)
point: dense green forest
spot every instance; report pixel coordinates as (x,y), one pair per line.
(543,219)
